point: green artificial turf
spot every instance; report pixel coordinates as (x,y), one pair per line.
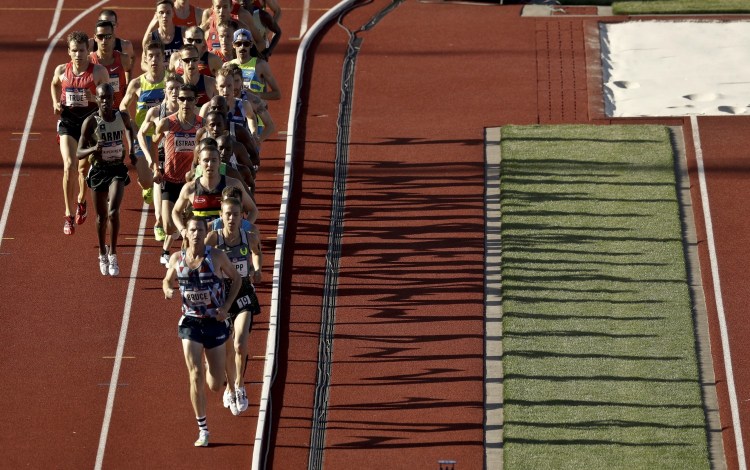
(599,350)
(655,7)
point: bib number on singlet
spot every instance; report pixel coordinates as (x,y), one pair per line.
(114,80)
(241,267)
(198,297)
(112,151)
(76,97)
(184,142)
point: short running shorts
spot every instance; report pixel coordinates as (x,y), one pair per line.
(170,191)
(207,331)
(70,123)
(246,300)
(101,176)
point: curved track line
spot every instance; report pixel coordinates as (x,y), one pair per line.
(32,113)
(55,18)
(269,369)
(717,292)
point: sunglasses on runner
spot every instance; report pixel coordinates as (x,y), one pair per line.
(189,99)
(243,43)
(189,60)
(102,37)
(194,40)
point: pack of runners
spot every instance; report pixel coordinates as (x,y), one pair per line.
(199,118)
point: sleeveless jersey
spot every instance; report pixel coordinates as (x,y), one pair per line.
(250,79)
(238,254)
(151,95)
(178,149)
(238,115)
(201,289)
(112,136)
(201,97)
(74,88)
(116,74)
(191,20)
(221,55)
(207,203)
(171,47)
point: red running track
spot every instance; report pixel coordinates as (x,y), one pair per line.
(407,377)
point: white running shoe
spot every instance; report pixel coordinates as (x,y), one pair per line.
(202,439)
(103,264)
(228,398)
(114,268)
(241,399)
(164,259)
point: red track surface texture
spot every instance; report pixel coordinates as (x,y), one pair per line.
(407,384)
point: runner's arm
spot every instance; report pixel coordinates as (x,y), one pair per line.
(131,94)
(179,207)
(56,89)
(171,276)
(87,138)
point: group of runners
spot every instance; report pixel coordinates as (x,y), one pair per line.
(195,141)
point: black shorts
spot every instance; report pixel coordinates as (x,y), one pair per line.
(207,331)
(101,176)
(246,300)
(70,123)
(170,191)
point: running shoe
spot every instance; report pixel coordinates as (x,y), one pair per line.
(233,405)
(164,259)
(228,397)
(241,399)
(103,264)
(114,269)
(69,228)
(202,439)
(81,213)
(148,196)
(159,234)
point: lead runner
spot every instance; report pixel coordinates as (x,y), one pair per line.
(201,272)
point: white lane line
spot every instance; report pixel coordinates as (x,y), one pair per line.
(32,112)
(55,18)
(305,19)
(717,293)
(121,341)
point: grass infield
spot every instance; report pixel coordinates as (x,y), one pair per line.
(655,7)
(599,356)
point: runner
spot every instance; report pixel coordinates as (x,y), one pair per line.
(255,116)
(121,45)
(165,31)
(206,86)
(201,272)
(208,63)
(225,10)
(244,251)
(102,141)
(179,131)
(204,192)
(147,90)
(268,28)
(225,33)
(117,63)
(73,90)
(256,73)
(170,105)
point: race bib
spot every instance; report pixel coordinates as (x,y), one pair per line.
(198,297)
(184,142)
(243,301)
(76,97)
(112,151)
(241,267)
(114,80)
